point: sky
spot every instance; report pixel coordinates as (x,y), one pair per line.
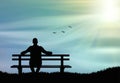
(87,30)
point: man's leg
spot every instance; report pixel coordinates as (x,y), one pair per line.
(32,69)
(32,66)
(38,69)
(38,64)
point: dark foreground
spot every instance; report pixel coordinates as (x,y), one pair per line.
(110,75)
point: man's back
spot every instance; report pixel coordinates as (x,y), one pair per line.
(35,51)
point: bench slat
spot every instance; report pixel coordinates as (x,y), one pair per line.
(53,55)
(42,59)
(43,66)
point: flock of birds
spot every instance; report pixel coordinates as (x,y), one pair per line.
(62,30)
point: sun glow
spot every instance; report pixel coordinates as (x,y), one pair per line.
(109,11)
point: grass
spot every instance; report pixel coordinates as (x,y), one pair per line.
(109,75)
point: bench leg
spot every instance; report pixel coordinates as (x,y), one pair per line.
(19,70)
(62,69)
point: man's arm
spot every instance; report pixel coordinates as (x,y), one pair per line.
(46,52)
(24,52)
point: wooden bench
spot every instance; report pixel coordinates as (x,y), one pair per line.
(54,57)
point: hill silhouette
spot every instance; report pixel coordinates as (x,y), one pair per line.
(109,75)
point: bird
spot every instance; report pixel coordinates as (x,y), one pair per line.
(63,31)
(70,26)
(54,32)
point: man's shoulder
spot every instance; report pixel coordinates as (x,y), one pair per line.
(40,46)
(30,46)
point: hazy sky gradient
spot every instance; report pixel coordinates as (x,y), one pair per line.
(93,42)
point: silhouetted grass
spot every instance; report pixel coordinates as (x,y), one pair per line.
(110,75)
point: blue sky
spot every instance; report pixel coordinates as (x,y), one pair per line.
(92,42)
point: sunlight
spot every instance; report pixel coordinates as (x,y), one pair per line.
(109,10)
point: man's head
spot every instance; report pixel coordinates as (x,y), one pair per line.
(35,41)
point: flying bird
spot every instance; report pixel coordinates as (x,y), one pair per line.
(63,31)
(70,26)
(54,32)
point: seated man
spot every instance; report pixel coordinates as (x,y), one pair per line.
(35,55)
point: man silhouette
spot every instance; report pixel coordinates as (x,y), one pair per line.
(35,55)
